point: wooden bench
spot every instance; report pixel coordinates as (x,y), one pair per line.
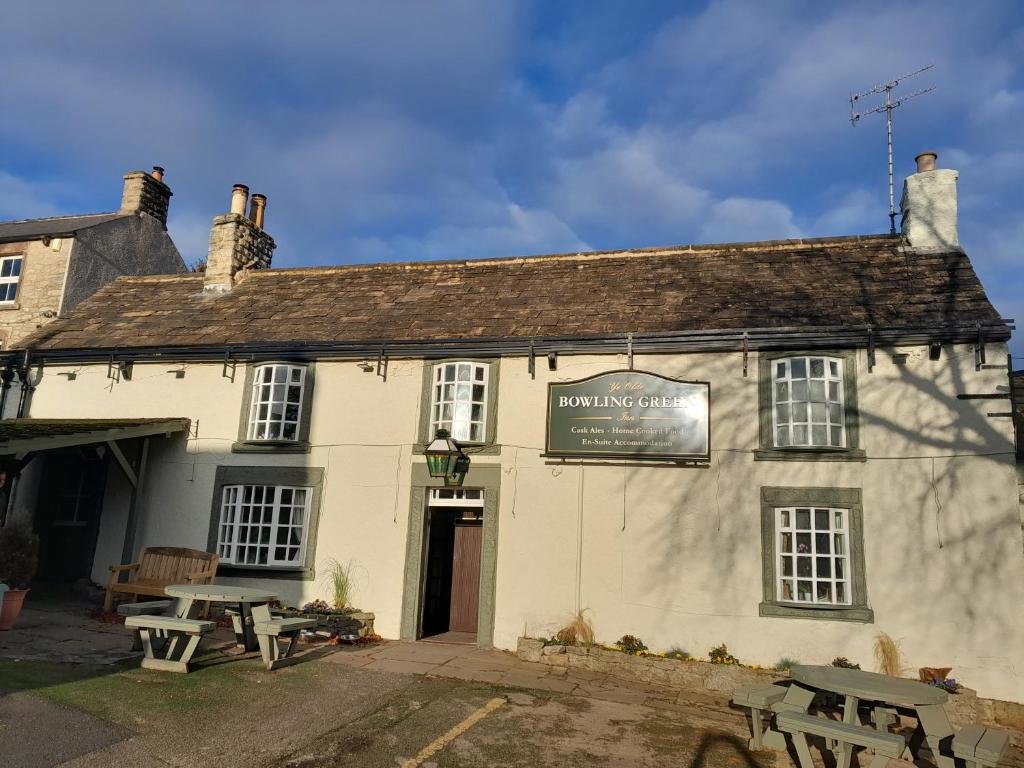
(764,701)
(158,568)
(886,746)
(268,633)
(979,746)
(178,651)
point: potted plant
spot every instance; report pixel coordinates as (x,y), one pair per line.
(17,567)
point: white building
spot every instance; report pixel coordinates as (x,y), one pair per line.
(854,481)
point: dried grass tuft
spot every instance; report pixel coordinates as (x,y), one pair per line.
(888,657)
(579,631)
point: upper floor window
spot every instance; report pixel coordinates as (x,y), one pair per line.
(263,525)
(808,402)
(459,400)
(10,276)
(275,410)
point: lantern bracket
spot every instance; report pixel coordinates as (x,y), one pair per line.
(532,365)
(382,364)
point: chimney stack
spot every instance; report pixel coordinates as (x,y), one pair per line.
(929,205)
(237,242)
(146,193)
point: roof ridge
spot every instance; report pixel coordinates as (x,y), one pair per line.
(662,250)
(62,216)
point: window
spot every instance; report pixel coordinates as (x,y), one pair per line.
(807,399)
(10,275)
(275,410)
(807,406)
(263,525)
(812,542)
(813,564)
(459,400)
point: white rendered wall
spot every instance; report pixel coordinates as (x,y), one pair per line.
(671,554)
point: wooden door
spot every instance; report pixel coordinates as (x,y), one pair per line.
(466,578)
(68,514)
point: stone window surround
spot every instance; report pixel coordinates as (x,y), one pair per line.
(845,498)
(301,445)
(486,476)
(767,451)
(489,446)
(21,253)
(311,477)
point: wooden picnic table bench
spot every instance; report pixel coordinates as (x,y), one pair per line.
(268,632)
(979,746)
(178,651)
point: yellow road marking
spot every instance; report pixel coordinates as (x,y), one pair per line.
(442,741)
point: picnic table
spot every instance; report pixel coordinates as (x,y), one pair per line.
(253,606)
(885,694)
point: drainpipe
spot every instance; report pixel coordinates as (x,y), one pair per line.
(6,377)
(26,387)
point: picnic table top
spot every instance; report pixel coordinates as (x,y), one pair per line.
(220,593)
(869,686)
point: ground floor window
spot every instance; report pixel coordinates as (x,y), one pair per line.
(263,524)
(265,518)
(813,554)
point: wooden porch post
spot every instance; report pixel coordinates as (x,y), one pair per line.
(127,552)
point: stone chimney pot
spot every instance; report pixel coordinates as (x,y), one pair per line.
(237,244)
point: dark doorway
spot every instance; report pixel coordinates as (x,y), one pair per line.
(451,589)
(68,513)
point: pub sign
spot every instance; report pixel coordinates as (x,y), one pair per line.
(629,414)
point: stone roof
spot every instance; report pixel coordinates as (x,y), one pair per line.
(33,229)
(825,283)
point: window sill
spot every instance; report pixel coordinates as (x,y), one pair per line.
(470,449)
(10,305)
(266,572)
(268,447)
(854,613)
(810,454)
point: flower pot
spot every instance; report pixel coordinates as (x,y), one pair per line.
(11,607)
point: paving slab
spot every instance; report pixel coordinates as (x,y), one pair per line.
(400,666)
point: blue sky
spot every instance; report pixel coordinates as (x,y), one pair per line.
(423,130)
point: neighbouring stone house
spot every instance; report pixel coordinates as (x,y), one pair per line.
(785,446)
(49,266)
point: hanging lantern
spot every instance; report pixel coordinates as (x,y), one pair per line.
(442,454)
(459,469)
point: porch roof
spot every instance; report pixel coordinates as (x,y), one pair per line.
(22,436)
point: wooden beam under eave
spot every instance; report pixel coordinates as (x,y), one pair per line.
(123,462)
(133,519)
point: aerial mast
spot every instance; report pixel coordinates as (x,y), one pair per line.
(889,105)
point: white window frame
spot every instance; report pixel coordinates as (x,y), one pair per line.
(838,538)
(230,526)
(461,429)
(12,279)
(831,416)
(260,387)
(456,497)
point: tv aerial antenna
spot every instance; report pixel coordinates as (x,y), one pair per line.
(889,105)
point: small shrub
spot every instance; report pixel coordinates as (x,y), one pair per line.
(321,607)
(631,644)
(579,630)
(785,664)
(948,684)
(18,558)
(720,655)
(887,655)
(844,663)
(678,653)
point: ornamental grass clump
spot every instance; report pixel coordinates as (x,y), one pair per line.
(339,578)
(579,630)
(887,655)
(678,653)
(785,664)
(632,645)
(720,655)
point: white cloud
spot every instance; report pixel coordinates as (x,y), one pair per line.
(739,218)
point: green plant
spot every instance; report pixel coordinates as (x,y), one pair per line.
(18,559)
(720,655)
(579,630)
(785,664)
(844,663)
(888,656)
(631,644)
(677,652)
(320,607)
(339,578)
